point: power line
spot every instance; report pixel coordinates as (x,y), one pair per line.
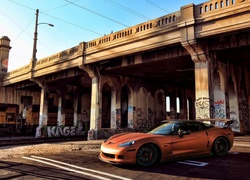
(73,24)
(22,5)
(23,30)
(56,18)
(59,6)
(127,9)
(97,14)
(150,2)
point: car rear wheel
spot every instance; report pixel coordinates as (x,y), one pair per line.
(147,155)
(220,146)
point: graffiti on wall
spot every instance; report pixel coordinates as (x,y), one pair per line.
(106,133)
(150,115)
(139,112)
(202,107)
(143,122)
(85,115)
(219,109)
(91,134)
(44,118)
(133,114)
(118,118)
(130,116)
(113,119)
(65,131)
(244,114)
(235,126)
(130,124)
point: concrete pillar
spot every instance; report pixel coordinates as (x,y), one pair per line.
(95,104)
(94,74)
(219,90)
(43,113)
(59,112)
(202,96)
(94,109)
(113,110)
(201,63)
(75,111)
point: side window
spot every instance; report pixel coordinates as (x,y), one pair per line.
(193,127)
(201,126)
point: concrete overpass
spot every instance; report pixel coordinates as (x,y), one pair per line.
(198,58)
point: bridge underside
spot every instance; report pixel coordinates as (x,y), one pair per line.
(176,71)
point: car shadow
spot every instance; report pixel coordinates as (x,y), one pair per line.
(235,165)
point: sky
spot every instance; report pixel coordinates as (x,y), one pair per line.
(74,21)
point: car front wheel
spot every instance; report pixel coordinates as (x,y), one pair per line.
(220,146)
(147,155)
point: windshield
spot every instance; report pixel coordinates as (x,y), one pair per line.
(166,128)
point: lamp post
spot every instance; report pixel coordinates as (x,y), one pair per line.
(33,59)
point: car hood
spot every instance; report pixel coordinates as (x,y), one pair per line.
(125,137)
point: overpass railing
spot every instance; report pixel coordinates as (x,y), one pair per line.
(58,56)
(166,21)
(61,56)
(214,5)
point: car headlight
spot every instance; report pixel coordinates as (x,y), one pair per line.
(126,144)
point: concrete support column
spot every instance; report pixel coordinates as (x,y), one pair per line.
(75,111)
(200,59)
(94,109)
(43,113)
(202,95)
(95,104)
(59,112)
(113,110)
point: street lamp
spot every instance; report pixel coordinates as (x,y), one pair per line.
(33,60)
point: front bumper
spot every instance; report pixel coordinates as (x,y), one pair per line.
(125,155)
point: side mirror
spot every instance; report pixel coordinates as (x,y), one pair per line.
(182,133)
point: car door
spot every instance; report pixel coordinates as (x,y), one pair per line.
(194,142)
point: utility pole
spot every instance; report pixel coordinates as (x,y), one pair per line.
(33,59)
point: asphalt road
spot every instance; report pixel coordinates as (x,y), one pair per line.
(84,164)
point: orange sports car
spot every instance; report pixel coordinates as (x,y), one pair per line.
(170,139)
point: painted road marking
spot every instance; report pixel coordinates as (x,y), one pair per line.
(241,144)
(56,164)
(193,163)
(231,152)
